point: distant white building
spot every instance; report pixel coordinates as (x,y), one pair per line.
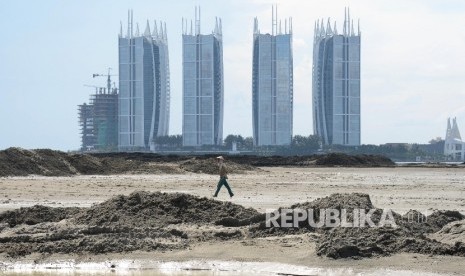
(336,83)
(144,81)
(454,147)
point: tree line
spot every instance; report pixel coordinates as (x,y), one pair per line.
(311,144)
(299,144)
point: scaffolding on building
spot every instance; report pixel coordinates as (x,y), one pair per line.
(105,119)
(98,120)
(88,137)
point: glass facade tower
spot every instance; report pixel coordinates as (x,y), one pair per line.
(272,84)
(336,83)
(144,99)
(202,85)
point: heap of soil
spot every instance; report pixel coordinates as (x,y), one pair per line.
(452,233)
(410,235)
(140,221)
(37,214)
(21,162)
(161,221)
(331,159)
(338,201)
(334,201)
(209,166)
(369,242)
(364,160)
(146,209)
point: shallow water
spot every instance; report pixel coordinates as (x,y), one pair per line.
(193,268)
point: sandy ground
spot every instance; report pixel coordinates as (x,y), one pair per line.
(400,189)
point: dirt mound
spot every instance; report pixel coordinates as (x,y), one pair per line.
(166,221)
(67,238)
(408,236)
(341,159)
(369,242)
(334,201)
(273,161)
(452,233)
(338,201)
(417,222)
(36,214)
(140,221)
(21,162)
(158,209)
(209,166)
(331,159)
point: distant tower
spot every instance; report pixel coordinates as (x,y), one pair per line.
(105,119)
(88,137)
(454,147)
(203,90)
(272,84)
(99,121)
(144,100)
(336,83)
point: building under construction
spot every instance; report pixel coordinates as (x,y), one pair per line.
(87,127)
(99,121)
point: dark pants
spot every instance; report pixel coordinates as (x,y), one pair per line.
(225,183)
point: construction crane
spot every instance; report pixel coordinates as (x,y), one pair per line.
(109,75)
(98,89)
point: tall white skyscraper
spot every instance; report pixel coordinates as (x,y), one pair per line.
(272,84)
(203,90)
(144,81)
(336,83)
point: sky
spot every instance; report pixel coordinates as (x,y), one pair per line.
(413,62)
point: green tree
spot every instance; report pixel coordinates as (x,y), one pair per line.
(248,143)
(169,141)
(228,141)
(306,143)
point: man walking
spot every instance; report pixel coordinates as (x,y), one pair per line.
(223,177)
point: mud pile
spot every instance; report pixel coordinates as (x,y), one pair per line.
(209,166)
(36,214)
(146,209)
(338,201)
(140,221)
(21,162)
(65,238)
(409,235)
(370,242)
(341,159)
(452,233)
(167,221)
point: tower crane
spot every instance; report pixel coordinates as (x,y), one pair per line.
(109,75)
(98,89)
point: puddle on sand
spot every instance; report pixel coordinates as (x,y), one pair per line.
(193,268)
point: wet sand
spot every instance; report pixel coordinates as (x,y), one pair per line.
(400,189)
